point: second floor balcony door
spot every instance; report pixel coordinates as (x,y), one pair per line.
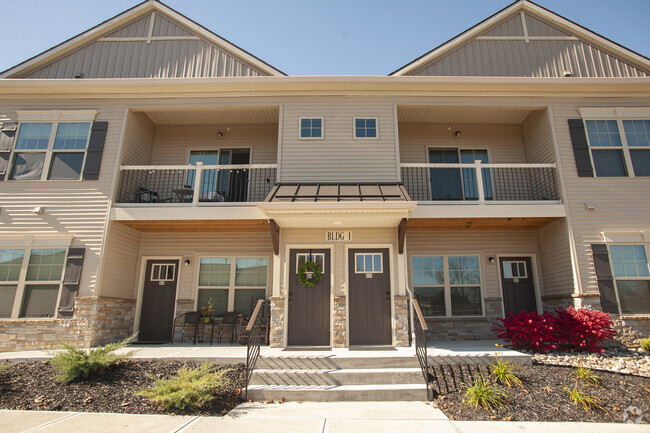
(458,183)
(222,185)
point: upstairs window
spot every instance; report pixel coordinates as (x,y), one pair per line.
(619,148)
(365,128)
(50,150)
(311,127)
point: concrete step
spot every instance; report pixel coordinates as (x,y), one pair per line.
(361,376)
(326,362)
(379,392)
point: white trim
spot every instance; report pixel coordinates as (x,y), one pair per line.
(524,26)
(152,23)
(614,112)
(322,128)
(149,39)
(527,39)
(354,127)
(143,269)
(373,271)
(36,241)
(313,254)
(278,157)
(56,115)
(398,160)
(626,237)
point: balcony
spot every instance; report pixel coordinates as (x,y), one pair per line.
(195,185)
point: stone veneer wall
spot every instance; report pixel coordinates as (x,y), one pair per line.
(401,321)
(479,328)
(276,337)
(630,330)
(96,321)
(339,322)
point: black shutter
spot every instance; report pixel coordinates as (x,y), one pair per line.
(95,150)
(6,142)
(604,278)
(71,279)
(580,148)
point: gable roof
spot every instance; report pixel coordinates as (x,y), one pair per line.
(556,26)
(111,28)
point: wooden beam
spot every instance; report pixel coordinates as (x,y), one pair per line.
(275,236)
(401,235)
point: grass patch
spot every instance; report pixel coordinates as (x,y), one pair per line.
(645,344)
(73,363)
(191,388)
(586,376)
(583,399)
(504,371)
(483,393)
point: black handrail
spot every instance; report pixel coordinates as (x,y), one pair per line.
(255,338)
(420,327)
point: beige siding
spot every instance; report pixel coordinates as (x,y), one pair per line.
(173,143)
(339,157)
(138,140)
(515,57)
(538,138)
(484,243)
(504,142)
(78,208)
(120,262)
(556,258)
(195,245)
(621,204)
(168,58)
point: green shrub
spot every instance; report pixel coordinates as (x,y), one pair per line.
(73,363)
(484,394)
(191,388)
(5,366)
(645,344)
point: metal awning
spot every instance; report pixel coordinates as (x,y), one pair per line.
(337,192)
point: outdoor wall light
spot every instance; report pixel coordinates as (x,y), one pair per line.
(457,134)
(491,259)
(220,134)
(38,210)
(188,262)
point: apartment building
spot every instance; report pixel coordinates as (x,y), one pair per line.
(149,165)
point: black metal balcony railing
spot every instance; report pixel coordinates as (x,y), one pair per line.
(481,182)
(195,184)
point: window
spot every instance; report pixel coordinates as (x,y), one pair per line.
(220,185)
(368,263)
(50,150)
(619,155)
(458,183)
(32,276)
(163,272)
(447,285)
(515,269)
(632,277)
(365,128)
(318,258)
(232,288)
(311,127)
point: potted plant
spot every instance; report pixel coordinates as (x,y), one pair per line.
(207,310)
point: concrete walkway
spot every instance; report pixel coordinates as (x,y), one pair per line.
(308,417)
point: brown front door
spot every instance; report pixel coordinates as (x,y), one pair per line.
(309,307)
(370,320)
(517,284)
(158,296)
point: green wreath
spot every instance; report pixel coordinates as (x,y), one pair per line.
(315,279)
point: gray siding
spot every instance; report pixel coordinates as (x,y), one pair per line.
(110,57)
(512,56)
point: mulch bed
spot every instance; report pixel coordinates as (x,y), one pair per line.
(30,386)
(542,397)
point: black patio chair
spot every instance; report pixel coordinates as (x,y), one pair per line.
(189,318)
(231,319)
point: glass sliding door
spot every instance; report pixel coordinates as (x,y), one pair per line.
(445,182)
(221,185)
(468,156)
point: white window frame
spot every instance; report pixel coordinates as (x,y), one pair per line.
(322,128)
(22,282)
(354,127)
(54,117)
(381,263)
(518,262)
(447,286)
(167,266)
(624,148)
(646,247)
(231,287)
(306,255)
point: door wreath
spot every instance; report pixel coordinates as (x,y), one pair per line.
(310,274)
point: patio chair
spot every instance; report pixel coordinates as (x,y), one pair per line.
(190,318)
(231,319)
(265,313)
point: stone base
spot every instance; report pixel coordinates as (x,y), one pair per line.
(276,337)
(96,321)
(339,336)
(630,330)
(479,328)
(401,321)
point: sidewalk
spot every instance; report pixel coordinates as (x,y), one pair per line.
(308,417)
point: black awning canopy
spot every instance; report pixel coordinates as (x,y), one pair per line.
(337,192)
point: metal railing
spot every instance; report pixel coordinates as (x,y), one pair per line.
(420,327)
(195,184)
(255,337)
(482,183)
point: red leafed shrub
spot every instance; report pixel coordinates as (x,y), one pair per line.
(582,330)
(570,329)
(530,331)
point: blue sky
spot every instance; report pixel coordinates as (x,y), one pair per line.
(331,37)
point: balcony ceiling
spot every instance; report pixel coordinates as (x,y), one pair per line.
(463,115)
(226,115)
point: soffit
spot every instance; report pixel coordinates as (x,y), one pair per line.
(215,116)
(464,115)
